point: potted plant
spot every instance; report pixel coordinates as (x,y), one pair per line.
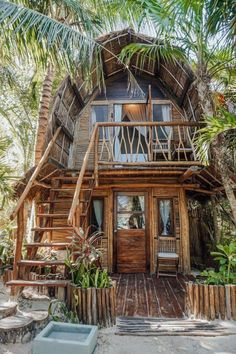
(92,291)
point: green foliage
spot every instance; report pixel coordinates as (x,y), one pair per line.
(84,262)
(226,257)
(7,246)
(5,171)
(59,312)
(224,122)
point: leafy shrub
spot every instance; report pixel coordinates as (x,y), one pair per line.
(226,257)
(59,312)
(84,261)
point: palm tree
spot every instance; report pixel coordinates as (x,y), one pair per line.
(5,172)
(189,25)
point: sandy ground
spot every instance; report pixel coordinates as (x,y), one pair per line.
(109,343)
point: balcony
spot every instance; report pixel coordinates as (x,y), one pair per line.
(146,144)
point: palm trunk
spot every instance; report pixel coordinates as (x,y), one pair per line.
(44,113)
(218,146)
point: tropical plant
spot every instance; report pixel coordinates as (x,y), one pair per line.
(5,171)
(59,312)
(189,25)
(7,245)
(226,256)
(224,122)
(84,261)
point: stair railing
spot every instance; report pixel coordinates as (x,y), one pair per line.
(71,218)
(35,174)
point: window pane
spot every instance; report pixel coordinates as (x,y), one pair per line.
(96,220)
(100,114)
(165,208)
(130,203)
(162,113)
(130,221)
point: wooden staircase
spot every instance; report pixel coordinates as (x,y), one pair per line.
(52,231)
(61,211)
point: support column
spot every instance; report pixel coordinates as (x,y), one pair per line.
(19,240)
(184,231)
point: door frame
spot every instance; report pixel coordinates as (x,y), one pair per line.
(129,191)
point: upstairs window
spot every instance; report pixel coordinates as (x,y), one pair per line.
(99,114)
(162,113)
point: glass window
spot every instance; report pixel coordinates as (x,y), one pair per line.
(165,217)
(97,212)
(100,114)
(130,212)
(162,113)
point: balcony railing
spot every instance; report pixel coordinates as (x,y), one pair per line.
(146,143)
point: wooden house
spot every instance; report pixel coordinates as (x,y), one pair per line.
(122,159)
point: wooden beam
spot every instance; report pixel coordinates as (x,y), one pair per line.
(189,173)
(147,123)
(139,172)
(147,185)
(184,231)
(221,189)
(19,239)
(201,190)
(35,174)
(152,163)
(42,184)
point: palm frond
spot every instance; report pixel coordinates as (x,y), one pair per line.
(224,122)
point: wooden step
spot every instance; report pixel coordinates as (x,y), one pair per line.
(53,228)
(52,244)
(29,263)
(63,189)
(56,216)
(50,283)
(73,178)
(62,200)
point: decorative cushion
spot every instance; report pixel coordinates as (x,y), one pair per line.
(167,255)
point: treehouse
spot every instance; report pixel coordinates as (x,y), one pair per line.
(120,158)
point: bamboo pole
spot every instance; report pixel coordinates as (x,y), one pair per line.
(19,239)
(35,174)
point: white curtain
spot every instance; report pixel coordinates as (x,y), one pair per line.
(98,210)
(165,214)
(141,202)
(166,117)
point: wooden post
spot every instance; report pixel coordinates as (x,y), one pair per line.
(217,301)
(222,301)
(228,302)
(212,302)
(233,301)
(196,300)
(206,302)
(184,227)
(19,239)
(96,146)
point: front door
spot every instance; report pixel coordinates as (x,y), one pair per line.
(130,232)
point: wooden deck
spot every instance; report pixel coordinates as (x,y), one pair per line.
(144,295)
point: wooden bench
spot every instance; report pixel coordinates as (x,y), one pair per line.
(167,257)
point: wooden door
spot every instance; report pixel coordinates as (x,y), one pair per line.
(130,232)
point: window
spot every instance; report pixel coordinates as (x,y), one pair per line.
(130,212)
(99,114)
(162,113)
(165,207)
(97,213)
